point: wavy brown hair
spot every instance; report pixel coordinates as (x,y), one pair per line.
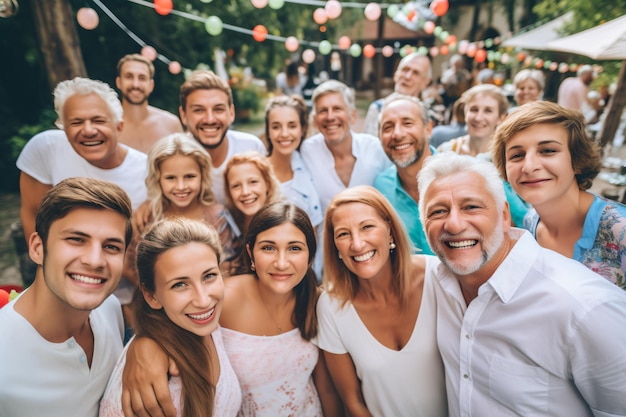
(182,346)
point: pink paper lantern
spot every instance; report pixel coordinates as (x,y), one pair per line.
(554,66)
(344,42)
(429,26)
(308,56)
(463,45)
(87,18)
(259,4)
(387,51)
(372,12)
(149,52)
(174,67)
(444,49)
(292,44)
(369,51)
(333,9)
(434,51)
(319,16)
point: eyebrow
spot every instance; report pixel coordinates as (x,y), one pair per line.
(86,235)
(272,242)
(543,142)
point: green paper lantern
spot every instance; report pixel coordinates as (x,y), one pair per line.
(392,11)
(437,31)
(355,50)
(276,4)
(324,47)
(213,25)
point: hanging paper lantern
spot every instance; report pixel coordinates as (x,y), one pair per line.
(528,61)
(163,7)
(538,63)
(505,58)
(547,63)
(213,25)
(387,51)
(324,47)
(308,56)
(411,15)
(259,33)
(463,45)
(444,49)
(174,67)
(372,12)
(319,16)
(444,36)
(521,56)
(369,51)
(406,50)
(491,56)
(434,51)
(87,18)
(488,43)
(393,10)
(422,50)
(573,67)
(355,50)
(451,39)
(149,52)
(344,42)
(333,9)
(439,7)
(292,44)
(554,66)
(276,4)
(259,4)
(429,26)
(563,67)
(437,31)
(471,50)
(480,55)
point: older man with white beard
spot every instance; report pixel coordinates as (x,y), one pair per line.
(522,330)
(405,130)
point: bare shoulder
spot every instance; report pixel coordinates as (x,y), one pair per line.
(418,270)
(239,287)
(164,116)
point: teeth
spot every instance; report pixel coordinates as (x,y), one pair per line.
(85,279)
(209,129)
(202,316)
(249,201)
(463,244)
(364,257)
(402,147)
(92,143)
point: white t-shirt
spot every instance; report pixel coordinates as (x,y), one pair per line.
(300,190)
(371,160)
(544,337)
(405,383)
(49,158)
(238,142)
(42,378)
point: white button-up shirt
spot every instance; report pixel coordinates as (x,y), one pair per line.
(544,337)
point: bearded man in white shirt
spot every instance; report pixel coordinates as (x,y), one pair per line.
(522,330)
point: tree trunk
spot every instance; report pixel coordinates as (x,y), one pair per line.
(58,40)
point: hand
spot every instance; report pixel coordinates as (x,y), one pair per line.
(145,389)
(142,216)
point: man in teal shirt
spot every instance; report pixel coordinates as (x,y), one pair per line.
(405,130)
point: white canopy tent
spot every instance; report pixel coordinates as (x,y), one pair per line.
(603,42)
(538,38)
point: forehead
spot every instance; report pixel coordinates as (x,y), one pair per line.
(246,169)
(401,109)
(354,213)
(483,99)
(539,133)
(284,232)
(458,187)
(283,113)
(179,161)
(108,223)
(135,67)
(85,105)
(419,64)
(330,99)
(207,97)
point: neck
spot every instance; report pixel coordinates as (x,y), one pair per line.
(281,165)
(478,145)
(218,155)
(192,211)
(135,111)
(408,175)
(341,149)
(571,209)
(113,161)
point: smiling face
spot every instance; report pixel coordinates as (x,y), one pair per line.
(281,257)
(463,225)
(412,76)
(362,240)
(527,91)
(83,256)
(180,180)
(188,285)
(89,126)
(539,164)
(247,188)
(134,82)
(285,130)
(333,118)
(207,115)
(482,116)
(403,134)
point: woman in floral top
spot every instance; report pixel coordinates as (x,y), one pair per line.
(543,151)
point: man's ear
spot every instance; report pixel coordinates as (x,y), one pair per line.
(150,298)
(36,248)
(507,220)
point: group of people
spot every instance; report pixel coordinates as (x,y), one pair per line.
(433,300)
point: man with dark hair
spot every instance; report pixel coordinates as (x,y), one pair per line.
(63,335)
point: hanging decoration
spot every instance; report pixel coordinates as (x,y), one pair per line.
(308,56)
(333,9)
(372,11)
(276,4)
(259,33)
(369,51)
(163,7)
(213,25)
(149,52)
(259,4)
(319,16)
(325,47)
(344,42)
(87,18)
(292,44)
(174,67)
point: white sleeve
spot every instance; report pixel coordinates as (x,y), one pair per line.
(328,336)
(35,158)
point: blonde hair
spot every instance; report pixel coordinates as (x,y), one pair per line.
(164,148)
(203,80)
(267,173)
(342,283)
(489,90)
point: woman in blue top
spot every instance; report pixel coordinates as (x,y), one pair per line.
(542,150)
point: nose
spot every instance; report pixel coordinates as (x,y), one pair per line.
(92,256)
(89,128)
(530,163)
(398,131)
(201,295)
(245,189)
(284,131)
(356,243)
(180,183)
(455,223)
(281,260)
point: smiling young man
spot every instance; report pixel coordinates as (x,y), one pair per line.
(522,330)
(143,124)
(405,130)
(90,115)
(63,335)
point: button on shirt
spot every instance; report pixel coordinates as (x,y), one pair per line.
(544,337)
